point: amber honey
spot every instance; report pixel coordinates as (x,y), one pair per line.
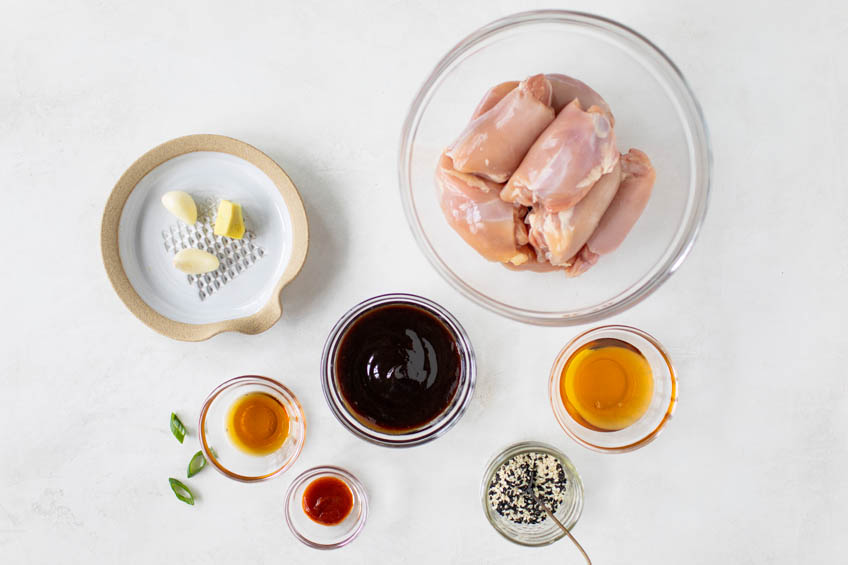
(607,385)
(258,423)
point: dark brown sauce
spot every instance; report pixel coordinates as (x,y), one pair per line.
(398,367)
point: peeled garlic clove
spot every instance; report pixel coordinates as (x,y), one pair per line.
(195,261)
(180,204)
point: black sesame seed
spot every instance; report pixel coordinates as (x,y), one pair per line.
(506,492)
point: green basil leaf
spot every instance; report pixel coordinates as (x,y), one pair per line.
(177,428)
(181,491)
(197,463)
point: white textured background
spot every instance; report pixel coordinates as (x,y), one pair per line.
(751,470)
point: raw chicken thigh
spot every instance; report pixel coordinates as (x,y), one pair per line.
(637,181)
(566,89)
(493,96)
(566,161)
(536,182)
(493,143)
(473,208)
(558,236)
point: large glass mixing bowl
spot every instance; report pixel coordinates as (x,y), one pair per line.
(655,111)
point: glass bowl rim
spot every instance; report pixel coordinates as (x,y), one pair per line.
(523,447)
(434,429)
(269,383)
(556,400)
(688,229)
(356,488)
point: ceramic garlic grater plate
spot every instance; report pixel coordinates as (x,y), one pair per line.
(139,238)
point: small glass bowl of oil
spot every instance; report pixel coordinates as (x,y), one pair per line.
(251,428)
(613,389)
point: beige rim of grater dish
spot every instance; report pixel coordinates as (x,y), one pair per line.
(265,313)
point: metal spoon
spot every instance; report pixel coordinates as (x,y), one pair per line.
(530,491)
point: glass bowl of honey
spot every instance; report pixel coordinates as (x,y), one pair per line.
(326,507)
(251,428)
(613,389)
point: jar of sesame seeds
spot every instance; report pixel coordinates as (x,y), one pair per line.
(513,512)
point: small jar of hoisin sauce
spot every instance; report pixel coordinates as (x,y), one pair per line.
(398,370)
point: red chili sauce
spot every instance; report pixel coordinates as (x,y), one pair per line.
(327,500)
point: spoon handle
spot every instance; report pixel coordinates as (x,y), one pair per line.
(564,529)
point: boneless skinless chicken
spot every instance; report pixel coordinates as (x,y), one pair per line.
(473,208)
(495,141)
(535,180)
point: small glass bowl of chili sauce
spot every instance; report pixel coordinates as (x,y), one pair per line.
(398,370)
(326,507)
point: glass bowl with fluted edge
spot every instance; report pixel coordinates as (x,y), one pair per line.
(433,429)
(653,421)
(229,459)
(655,111)
(545,532)
(320,536)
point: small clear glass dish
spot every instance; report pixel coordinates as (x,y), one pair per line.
(229,459)
(545,532)
(660,410)
(655,111)
(433,429)
(318,535)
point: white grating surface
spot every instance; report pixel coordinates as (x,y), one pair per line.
(235,255)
